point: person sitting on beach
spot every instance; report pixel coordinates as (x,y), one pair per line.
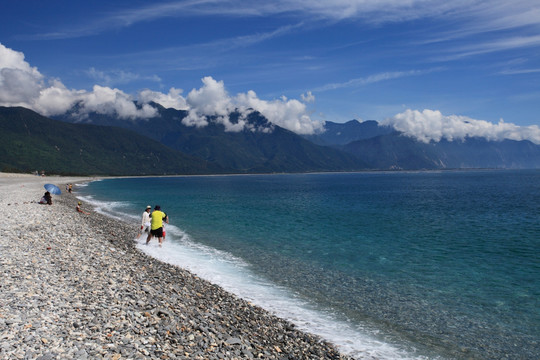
(145,222)
(46,199)
(156,224)
(81,210)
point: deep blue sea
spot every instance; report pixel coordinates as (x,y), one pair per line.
(389,265)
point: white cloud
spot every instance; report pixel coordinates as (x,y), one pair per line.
(289,114)
(501,44)
(19,82)
(519,72)
(432,125)
(212,99)
(14,60)
(308,97)
(370,10)
(484,16)
(193,119)
(173,99)
(104,100)
(23,85)
(375,78)
(118,77)
(55,99)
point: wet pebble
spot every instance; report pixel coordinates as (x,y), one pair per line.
(73,289)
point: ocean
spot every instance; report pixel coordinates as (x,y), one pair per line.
(386,265)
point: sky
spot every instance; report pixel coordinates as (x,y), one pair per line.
(432,69)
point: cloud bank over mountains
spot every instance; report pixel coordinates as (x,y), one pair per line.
(430,125)
(23,85)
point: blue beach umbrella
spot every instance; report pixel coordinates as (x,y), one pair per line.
(53,189)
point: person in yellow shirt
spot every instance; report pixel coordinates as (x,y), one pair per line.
(156,224)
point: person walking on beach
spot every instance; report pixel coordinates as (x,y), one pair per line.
(145,222)
(156,224)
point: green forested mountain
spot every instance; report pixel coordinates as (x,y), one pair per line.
(29,141)
(383,147)
(165,145)
(246,151)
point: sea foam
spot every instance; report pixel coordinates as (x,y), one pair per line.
(235,276)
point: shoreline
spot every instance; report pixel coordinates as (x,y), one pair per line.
(75,286)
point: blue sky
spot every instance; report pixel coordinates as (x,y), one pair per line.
(446,62)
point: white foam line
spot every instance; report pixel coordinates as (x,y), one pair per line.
(234,275)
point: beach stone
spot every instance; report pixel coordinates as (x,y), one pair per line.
(73,289)
(234,341)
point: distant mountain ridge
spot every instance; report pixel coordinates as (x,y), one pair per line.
(383,147)
(104,144)
(336,134)
(246,151)
(374,146)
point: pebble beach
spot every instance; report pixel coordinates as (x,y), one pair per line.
(74,286)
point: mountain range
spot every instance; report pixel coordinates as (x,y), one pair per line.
(260,148)
(31,142)
(163,144)
(395,151)
(383,147)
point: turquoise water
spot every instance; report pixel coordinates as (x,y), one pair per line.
(388,265)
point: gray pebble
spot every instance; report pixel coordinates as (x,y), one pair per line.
(74,286)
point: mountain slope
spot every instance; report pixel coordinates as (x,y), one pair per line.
(396,151)
(336,134)
(29,141)
(348,147)
(254,151)
(246,151)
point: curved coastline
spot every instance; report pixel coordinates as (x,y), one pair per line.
(75,286)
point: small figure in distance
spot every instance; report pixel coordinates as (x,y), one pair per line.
(70,188)
(145,222)
(46,199)
(156,228)
(81,210)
